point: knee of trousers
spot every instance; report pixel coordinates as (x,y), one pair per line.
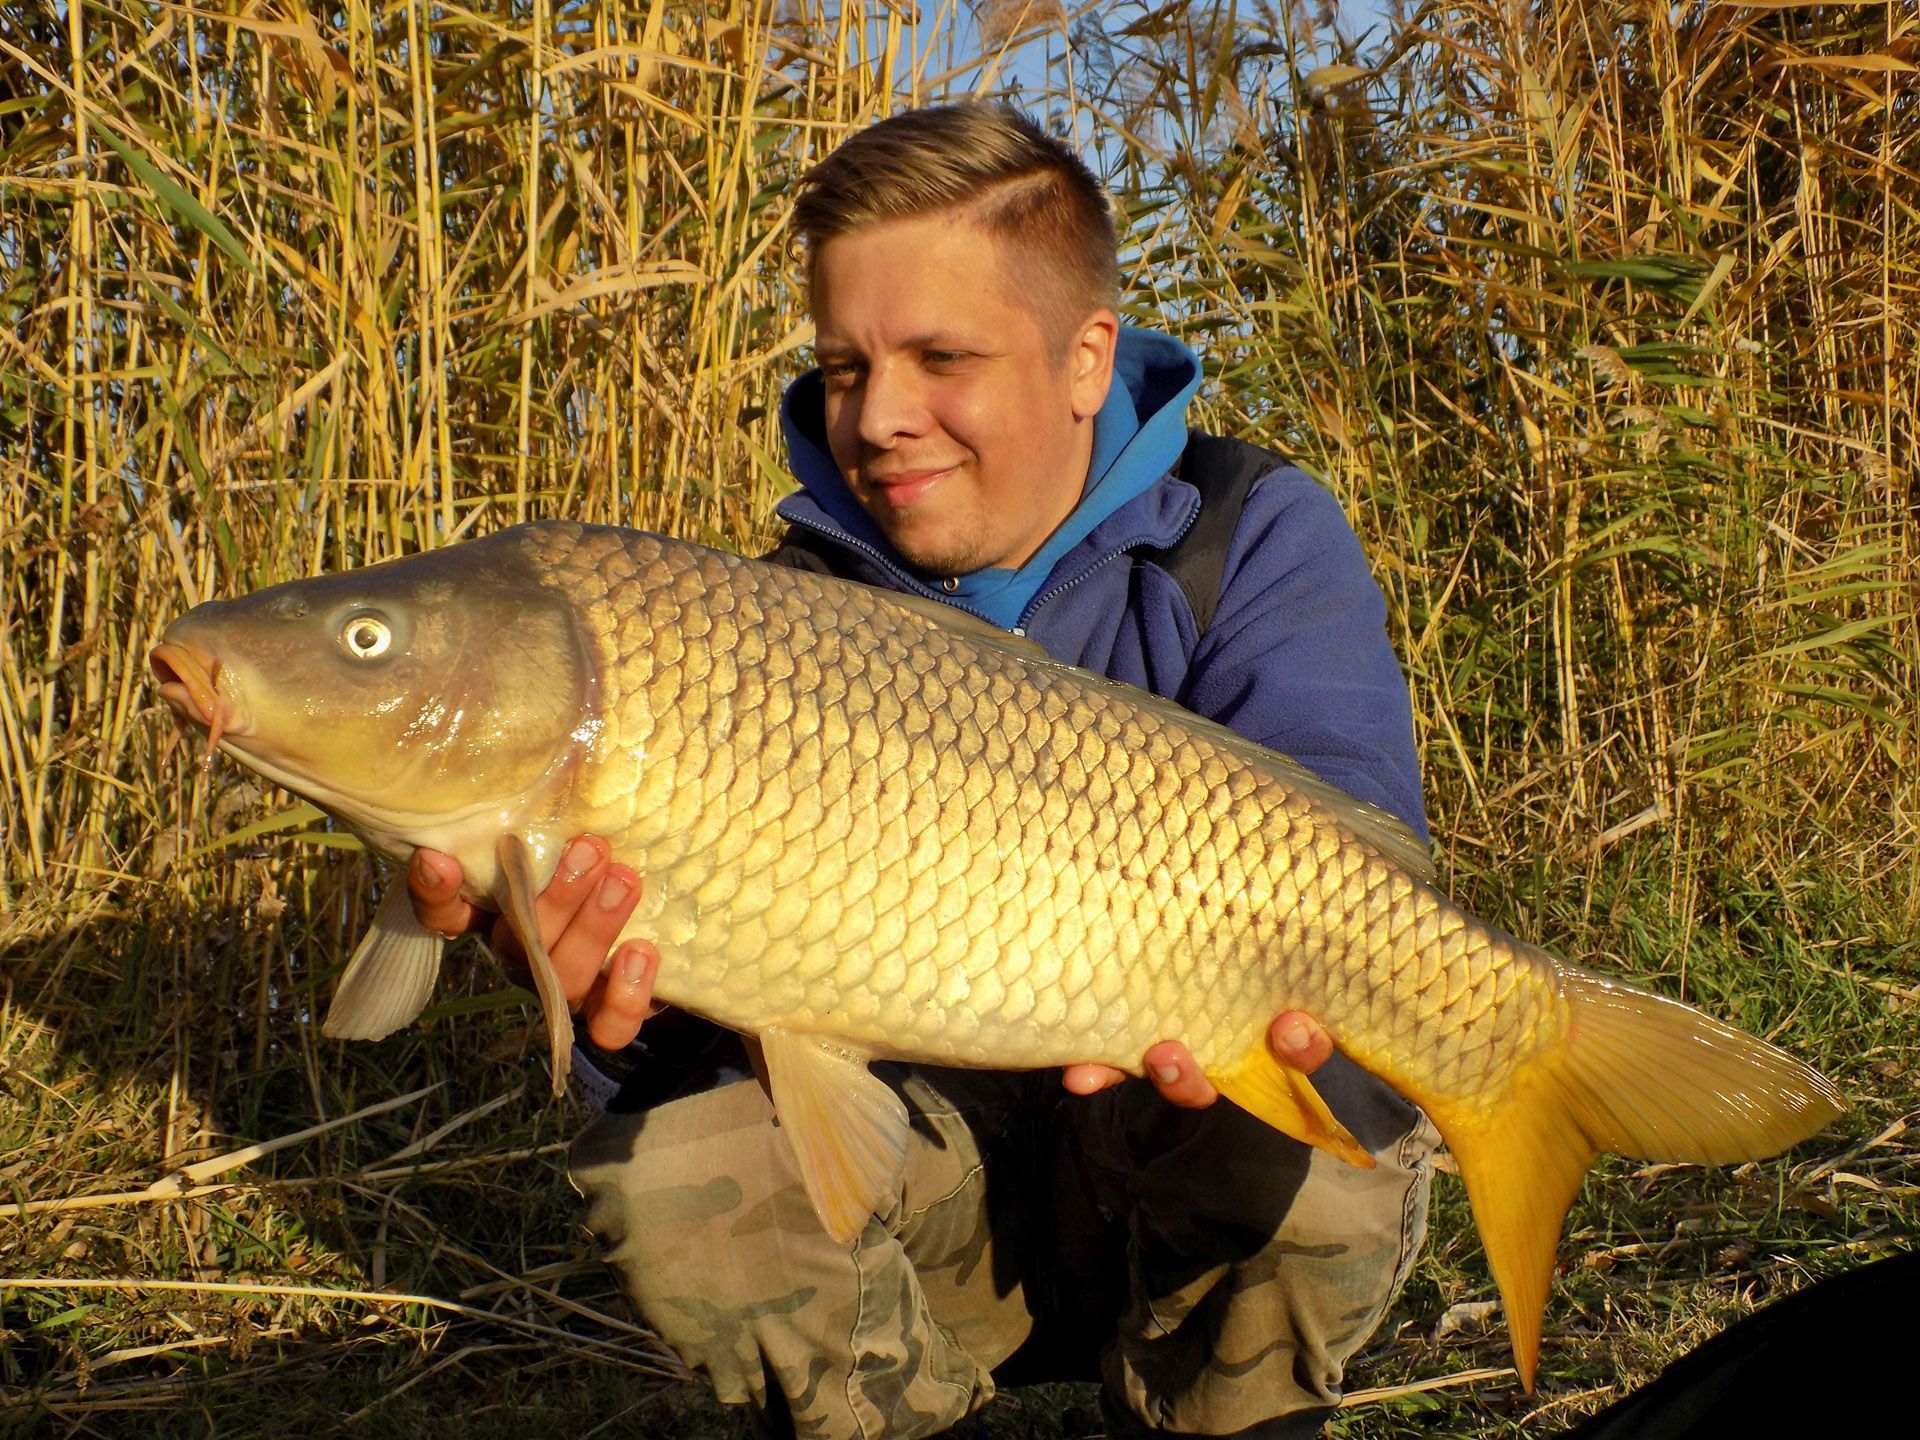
(1228,1331)
(696,1208)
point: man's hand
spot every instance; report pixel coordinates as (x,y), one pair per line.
(581,913)
(1296,1038)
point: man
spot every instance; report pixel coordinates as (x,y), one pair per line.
(963,439)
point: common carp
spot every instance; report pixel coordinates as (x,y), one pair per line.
(874,827)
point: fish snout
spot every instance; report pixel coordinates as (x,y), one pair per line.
(190,680)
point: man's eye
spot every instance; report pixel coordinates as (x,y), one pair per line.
(840,370)
(943,357)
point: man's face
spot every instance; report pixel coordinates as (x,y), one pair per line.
(958,430)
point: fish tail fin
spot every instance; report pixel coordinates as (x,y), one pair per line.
(1636,1075)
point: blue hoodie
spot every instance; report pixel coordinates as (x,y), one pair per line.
(1297,656)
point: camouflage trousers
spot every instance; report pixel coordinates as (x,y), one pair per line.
(1213,1274)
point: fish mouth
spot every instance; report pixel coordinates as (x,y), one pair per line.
(190,682)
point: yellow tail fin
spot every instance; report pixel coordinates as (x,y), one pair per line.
(1638,1075)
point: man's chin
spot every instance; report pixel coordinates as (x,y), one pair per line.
(938,565)
(932,553)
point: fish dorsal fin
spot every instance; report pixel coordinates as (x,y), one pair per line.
(964,622)
(516,871)
(1267,1087)
(1383,830)
(391,976)
(847,1128)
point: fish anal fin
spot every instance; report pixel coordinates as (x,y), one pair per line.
(1632,1073)
(1271,1090)
(515,859)
(390,978)
(848,1129)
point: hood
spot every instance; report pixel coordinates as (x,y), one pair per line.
(1137,438)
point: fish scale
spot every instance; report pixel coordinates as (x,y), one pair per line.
(871,826)
(1007,862)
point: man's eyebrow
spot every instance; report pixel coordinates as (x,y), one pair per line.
(933,340)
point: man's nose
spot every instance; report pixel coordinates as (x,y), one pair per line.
(893,404)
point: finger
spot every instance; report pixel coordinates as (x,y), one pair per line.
(624,997)
(433,884)
(578,875)
(1299,1039)
(1176,1075)
(582,864)
(579,951)
(1091,1079)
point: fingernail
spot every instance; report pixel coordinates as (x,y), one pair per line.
(430,871)
(1296,1036)
(613,892)
(633,964)
(579,859)
(1166,1074)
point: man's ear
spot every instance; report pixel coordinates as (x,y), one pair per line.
(1090,362)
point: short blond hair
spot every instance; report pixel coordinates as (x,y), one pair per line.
(1001,172)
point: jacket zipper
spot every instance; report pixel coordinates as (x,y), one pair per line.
(911,585)
(914,587)
(1044,596)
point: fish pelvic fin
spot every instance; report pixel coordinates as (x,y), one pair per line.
(516,867)
(1265,1086)
(848,1129)
(1638,1075)
(391,976)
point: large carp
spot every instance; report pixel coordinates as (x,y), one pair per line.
(871,826)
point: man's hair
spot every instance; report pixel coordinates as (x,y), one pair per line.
(1003,173)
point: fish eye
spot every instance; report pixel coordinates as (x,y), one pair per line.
(366,637)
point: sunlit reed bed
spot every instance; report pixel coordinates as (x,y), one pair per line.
(1601,322)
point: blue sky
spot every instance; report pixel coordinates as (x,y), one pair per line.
(1028,68)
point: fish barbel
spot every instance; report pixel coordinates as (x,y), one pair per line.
(872,826)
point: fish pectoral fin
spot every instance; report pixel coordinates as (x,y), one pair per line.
(516,867)
(1268,1088)
(391,975)
(847,1127)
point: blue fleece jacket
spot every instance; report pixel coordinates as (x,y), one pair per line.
(1297,656)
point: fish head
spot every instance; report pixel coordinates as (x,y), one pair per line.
(402,698)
